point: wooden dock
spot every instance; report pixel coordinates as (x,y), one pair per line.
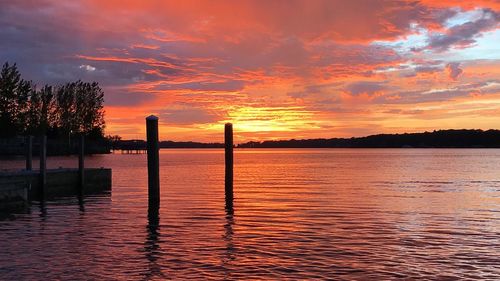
(18,188)
(13,194)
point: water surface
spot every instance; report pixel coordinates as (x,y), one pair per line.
(298,214)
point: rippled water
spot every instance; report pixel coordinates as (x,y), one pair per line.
(298,214)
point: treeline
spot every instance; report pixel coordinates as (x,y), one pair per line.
(58,111)
(189,144)
(438,139)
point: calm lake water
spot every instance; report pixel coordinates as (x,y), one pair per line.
(298,214)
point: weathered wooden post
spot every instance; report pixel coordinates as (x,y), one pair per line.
(228,141)
(153,149)
(29,153)
(43,168)
(81,165)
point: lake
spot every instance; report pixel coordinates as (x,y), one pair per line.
(298,214)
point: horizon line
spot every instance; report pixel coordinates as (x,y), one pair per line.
(324,138)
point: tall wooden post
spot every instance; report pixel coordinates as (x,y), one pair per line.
(43,168)
(81,165)
(228,141)
(153,149)
(29,153)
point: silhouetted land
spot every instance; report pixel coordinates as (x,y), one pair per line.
(189,144)
(439,139)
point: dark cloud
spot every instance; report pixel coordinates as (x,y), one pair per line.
(319,90)
(298,95)
(464,34)
(453,69)
(427,69)
(423,67)
(365,87)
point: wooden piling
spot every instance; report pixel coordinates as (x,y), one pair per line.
(228,141)
(43,168)
(81,165)
(153,149)
(29,153)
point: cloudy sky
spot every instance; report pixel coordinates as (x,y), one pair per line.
(276,69)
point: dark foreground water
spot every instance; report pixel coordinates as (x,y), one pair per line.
(298,214)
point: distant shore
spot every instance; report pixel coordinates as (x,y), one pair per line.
(436,139)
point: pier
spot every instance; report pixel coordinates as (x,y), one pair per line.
(25,185)
(19,187)
(133,147)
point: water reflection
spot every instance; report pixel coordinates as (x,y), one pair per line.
(81,204)
(153,250)
(228,239)
(43,210)
(300,215)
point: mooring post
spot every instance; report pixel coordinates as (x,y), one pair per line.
(29,153)
(228,141)
(81,165)
(43,167)
(153,149)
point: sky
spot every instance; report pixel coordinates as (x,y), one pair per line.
(275,69)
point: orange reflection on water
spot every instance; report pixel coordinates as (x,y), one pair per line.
(298,214)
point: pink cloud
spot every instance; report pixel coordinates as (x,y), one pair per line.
(453,70)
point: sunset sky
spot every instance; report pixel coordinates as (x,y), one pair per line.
(276,69)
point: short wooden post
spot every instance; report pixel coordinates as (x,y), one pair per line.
(43,168)
(228,141)
(29,153)
(81,165)
(153,149)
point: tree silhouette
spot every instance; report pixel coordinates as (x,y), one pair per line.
(441,138)
(41,111)
(14,95)
(75,107)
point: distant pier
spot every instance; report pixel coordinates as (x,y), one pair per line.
(133,147)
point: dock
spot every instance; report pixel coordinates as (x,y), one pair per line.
(13,194)
(18,188)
